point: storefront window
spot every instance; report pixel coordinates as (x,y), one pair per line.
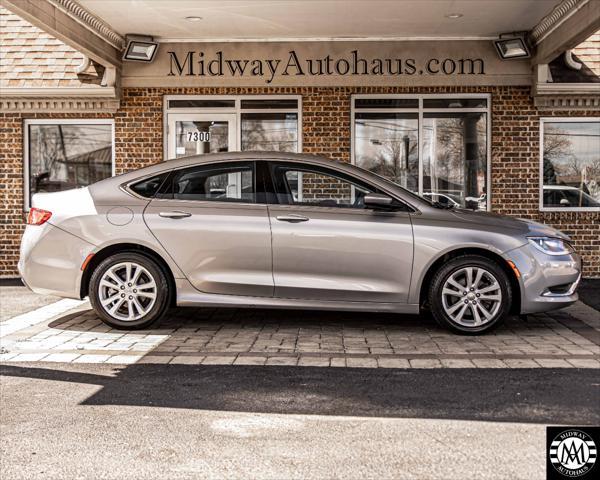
(270,131)
(387,144)
(67,154)
(434,146)
(197,125)
(454,158)
(570,164)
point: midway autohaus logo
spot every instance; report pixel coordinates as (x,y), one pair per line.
(203,64)
(572,452)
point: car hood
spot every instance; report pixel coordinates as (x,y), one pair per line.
(527,227)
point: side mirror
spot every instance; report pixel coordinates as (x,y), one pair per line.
(377,200)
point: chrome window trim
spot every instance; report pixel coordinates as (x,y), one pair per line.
(125,185)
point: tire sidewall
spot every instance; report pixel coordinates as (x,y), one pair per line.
(435,297)
(162,291)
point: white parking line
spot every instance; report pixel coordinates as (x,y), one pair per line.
(39,315)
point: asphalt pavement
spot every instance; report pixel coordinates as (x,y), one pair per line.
(182,421)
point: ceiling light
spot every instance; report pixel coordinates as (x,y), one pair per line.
(512,45)
(454,15)
(140,48)
(193,19)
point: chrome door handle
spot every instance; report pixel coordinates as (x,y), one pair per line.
(292,218)
(174,214)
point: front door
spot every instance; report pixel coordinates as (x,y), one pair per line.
(197,133)
(327,246)
(207,218)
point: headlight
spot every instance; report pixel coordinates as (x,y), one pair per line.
(551,246)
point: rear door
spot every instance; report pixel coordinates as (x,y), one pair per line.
(208,219)
(327,246)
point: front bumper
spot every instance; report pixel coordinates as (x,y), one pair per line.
(50,260)
(547,282)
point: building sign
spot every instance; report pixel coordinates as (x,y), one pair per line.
(327,64)
(197,64)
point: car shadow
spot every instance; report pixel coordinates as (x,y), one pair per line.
(545,396)
(189,316)
(183,322)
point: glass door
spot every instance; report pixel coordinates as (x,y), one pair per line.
(197,133)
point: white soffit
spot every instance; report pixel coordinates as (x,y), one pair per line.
(234,20)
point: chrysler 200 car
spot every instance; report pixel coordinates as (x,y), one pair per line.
(287,231)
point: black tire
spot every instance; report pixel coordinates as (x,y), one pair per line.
(454,266)
(161,302)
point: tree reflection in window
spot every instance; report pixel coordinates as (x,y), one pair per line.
(455,156)
(63,156)
(571,164)
(387,144)
(270,131)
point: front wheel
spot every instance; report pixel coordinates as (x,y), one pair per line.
(129,291)
(470,295)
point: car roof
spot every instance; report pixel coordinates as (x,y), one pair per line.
(251,155)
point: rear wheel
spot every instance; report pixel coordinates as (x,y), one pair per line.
(129,291)
(470,295)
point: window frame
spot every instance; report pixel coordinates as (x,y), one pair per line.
(58,121)
(237,110)
(420,111)
(543,121)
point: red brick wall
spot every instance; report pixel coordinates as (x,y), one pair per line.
(325,130)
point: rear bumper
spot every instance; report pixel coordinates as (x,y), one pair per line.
(50,260)
(547,282)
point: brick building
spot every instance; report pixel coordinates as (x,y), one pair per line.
(441,114)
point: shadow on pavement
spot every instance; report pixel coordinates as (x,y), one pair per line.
(589,292)
(555,396)
(194,317)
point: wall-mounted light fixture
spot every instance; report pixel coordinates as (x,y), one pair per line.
(140,48)
(512,45)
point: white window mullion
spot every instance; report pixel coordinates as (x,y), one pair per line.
(420,146)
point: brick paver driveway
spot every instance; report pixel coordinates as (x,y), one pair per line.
(68,331)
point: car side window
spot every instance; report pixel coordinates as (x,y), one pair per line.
(213,183)
(147,188)
(317,187)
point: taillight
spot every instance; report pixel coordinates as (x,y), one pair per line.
(37,216)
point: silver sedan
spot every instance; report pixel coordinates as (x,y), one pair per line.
(287,231)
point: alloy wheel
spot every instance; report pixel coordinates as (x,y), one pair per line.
(127,291)
(471,296)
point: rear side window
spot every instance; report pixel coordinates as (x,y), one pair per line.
(147,188)
(213,183)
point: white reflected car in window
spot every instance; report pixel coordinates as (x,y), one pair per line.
(442,198)
(567,197)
